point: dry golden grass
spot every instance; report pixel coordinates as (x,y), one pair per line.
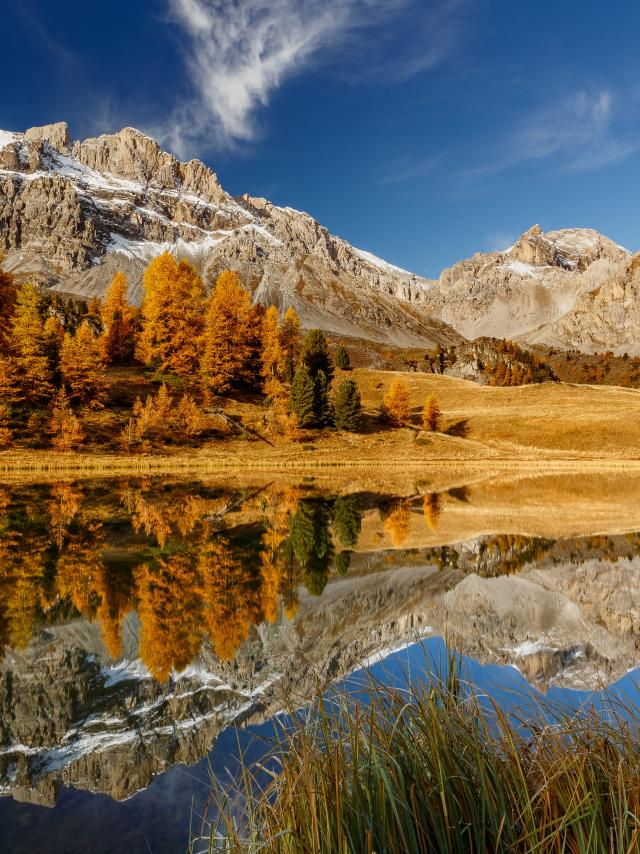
(551,426)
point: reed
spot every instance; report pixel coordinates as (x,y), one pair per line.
(436,769)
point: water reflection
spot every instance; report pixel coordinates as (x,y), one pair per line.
(140,618)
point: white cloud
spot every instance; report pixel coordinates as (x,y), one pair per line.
(238,52)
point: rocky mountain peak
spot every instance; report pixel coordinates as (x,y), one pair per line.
(57,135)
(568,248)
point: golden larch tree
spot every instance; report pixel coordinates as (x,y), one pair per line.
(395,404)
(398,523)
(271,356)
(290,344)
(118,320)
(8,293)
(431,414)
(64,427)
(230,337)
(82,366)
(27,347)
(172,316)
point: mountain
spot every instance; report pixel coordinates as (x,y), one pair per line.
(572,288)
(73,213)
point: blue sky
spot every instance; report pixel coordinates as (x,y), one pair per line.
(421,131)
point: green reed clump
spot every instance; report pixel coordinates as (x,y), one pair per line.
(431,770)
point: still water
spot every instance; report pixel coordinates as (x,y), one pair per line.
(151,629)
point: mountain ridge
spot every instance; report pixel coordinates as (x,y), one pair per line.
(72,213)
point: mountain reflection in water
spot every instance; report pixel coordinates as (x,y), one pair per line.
(139,619)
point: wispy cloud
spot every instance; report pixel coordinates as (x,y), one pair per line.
(238,52)
(56,49)
(579,133)
(498,241)
(409,169)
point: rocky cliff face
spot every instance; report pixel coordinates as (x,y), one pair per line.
(572,288)
(73,213)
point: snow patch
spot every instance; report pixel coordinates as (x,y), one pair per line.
(380,263)
(125,671)
(382,654)
(531,648)
(6,138)
(147,250)
(522,269)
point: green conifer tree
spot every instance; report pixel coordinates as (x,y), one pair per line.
(347,520)
(347,406)
(322,406)
(303,396)
(343,562)
(341,358)
(315,354)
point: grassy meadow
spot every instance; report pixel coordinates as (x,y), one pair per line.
(546,425)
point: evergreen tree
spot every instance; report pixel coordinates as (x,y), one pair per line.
(231,336)
(341,358)
(343,562)
(431,414)
(118,321)
(27,346)
(347,520)
(347,406)
(172,316)
(316,356)
(322,406)
(303,396)
(289,344)
(82,366)
(311,543)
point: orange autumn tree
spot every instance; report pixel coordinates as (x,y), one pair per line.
(395,404)
(8,294)
(170,614)
(290,345)
(231,335)
(65,429)
(118,320)
(172,316)
(398,523)
(27,347)
(82,366)
(272,355)
(231,597)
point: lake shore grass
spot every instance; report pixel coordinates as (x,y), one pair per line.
(435,768)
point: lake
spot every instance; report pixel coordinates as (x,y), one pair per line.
(153,628)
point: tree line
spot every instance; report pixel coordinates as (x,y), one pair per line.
(212,344)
